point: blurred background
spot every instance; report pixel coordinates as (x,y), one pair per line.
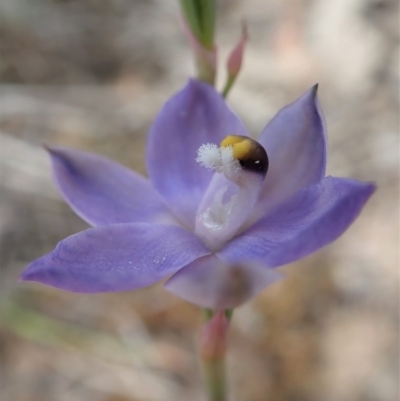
(92,74)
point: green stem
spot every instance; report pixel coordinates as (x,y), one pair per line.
(215,379)
(200,18)
(228,85)
(213,345)
(207,15)
(205,72)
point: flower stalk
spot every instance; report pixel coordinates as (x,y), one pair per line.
(198,20)
(213,346)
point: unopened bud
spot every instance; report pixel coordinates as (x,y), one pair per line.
(236,56)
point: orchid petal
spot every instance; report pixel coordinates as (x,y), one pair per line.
(103,192)
(296,146)
(116,258)
(309,220)
(194,116)
(211,283)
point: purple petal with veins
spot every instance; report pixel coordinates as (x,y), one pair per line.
(116,258)
(296,145)
(309,220)
(103,192)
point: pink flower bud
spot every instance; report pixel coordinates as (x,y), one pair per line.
(213,341)
(236,56)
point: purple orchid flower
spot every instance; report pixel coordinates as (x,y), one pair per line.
(217,213)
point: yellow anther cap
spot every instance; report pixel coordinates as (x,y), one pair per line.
(250,154)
